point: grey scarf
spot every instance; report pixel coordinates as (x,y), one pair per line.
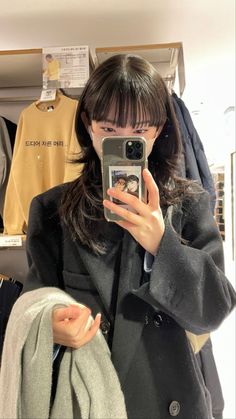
(88,386)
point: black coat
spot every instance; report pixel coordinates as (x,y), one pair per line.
(196,165)
(144,318)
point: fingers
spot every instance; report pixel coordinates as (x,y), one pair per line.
(91,332)
(123,212)
(153,192)
(73,326)
(70,312)
(132,201)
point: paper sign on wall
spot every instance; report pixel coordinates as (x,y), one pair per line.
(65,67)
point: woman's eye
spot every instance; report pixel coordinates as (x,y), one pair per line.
(108,129)
(140,131)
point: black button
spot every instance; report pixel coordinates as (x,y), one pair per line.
(174,408)
(157,320)
(105,327)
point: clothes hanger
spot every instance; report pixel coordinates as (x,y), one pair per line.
(49,105)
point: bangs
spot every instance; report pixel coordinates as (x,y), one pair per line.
(127,102)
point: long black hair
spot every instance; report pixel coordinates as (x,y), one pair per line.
(137,93)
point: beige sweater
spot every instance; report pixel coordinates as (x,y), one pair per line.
(45,141)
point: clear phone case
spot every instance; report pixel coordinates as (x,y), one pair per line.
(123,161)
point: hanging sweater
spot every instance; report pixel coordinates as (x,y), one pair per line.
(87,386)
(45,141)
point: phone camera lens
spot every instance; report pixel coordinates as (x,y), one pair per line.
(137,145)
(129,150)
(138,155)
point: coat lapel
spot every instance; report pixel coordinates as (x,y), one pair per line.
(101,271)
(129,320)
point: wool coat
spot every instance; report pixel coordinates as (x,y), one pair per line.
(144,317)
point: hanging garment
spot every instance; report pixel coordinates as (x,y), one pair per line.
(196,168)
(9,292)
(88,385)
(196,164)
(7,141)
(45,141)
(11,128)
(5,160)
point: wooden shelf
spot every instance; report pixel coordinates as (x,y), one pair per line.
(166,58)
(22,68)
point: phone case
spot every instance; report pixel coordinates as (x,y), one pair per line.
(120,171)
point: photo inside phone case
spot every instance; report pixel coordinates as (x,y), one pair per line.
(126,179)
(123,160)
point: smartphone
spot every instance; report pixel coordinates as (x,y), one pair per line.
(123,161)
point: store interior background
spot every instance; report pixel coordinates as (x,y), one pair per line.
(207,30)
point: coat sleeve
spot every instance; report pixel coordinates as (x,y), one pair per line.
(187,280)
(43,246)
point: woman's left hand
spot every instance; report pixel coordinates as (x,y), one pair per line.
(147,224)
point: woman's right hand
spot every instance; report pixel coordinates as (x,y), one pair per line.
(70,326)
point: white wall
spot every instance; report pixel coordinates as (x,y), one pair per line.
(206,28)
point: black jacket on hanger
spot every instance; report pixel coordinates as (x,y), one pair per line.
(11,128)
(196,164)
(196,168)
(7,138)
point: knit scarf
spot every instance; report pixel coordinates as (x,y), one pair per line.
(87,387)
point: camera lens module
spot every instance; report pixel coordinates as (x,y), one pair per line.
(134,150)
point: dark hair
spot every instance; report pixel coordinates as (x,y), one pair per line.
(132,178)
(138,94)
(118,177)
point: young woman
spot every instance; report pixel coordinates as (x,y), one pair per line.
(120,183)
(133,185)
(148,278)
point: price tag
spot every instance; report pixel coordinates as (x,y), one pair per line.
(48,95)
(10,241)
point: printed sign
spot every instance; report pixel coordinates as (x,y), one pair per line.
(10,241)
(65,67)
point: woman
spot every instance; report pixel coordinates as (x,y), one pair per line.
(148,278)
(120,182)
(133,185)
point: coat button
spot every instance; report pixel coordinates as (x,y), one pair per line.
(105,327)
(157,320)
(174,408)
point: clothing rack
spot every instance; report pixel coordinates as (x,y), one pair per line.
(29,95)
(18,99)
